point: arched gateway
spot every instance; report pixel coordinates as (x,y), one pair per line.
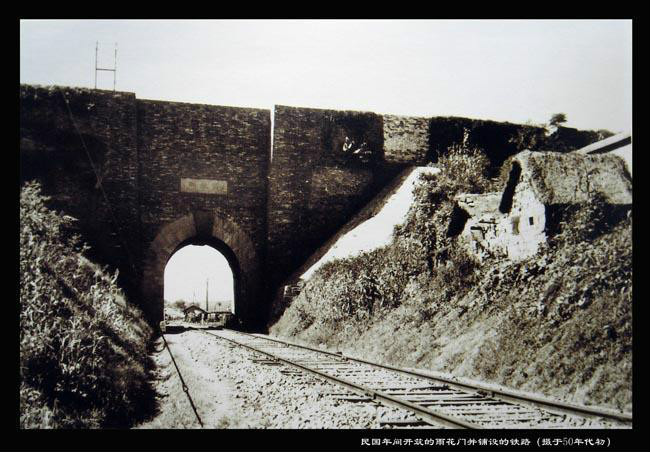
(203,228)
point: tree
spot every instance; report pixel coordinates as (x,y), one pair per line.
(180,304)
(557,119)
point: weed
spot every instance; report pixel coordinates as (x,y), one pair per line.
(82,356)
(554,323)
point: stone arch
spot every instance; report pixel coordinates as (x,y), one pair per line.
(205,228)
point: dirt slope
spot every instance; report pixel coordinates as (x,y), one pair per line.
(558,323)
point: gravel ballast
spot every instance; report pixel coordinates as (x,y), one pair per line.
(230,390)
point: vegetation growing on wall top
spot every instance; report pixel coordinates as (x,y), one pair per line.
(497,140)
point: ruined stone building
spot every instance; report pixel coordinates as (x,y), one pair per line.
(619,144)
(512,223)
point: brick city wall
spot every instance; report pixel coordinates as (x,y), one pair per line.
(406,139)
(315,183)
(158,162)
(497,140)
(208,164)
(178,141)
(52,151)
(175,167)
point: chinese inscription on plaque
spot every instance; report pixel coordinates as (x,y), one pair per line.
(208,186)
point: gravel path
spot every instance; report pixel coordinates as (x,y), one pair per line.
(230,390)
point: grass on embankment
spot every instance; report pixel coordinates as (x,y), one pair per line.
(558,323)
(83,351)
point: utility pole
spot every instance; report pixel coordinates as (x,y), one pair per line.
(206,294)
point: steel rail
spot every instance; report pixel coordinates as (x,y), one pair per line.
(430,416)
(553,406)
(184,387)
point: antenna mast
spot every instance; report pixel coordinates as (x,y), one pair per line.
(113,69)
(206,294)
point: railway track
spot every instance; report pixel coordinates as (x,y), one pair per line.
(433,401)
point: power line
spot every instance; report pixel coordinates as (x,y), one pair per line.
(99,184)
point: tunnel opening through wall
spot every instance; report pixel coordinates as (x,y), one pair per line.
(202,284)
(220,233)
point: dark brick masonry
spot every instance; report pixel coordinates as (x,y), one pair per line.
(141,150)
(267,215)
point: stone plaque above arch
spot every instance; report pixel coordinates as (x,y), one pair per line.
(205,186)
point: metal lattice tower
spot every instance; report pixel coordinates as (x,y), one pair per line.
(113,69)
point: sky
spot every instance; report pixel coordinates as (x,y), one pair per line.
(189,268)
(513,70)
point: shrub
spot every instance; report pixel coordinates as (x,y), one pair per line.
(576,223)
(83,356)
(370,285)
(423,301)
(495,140)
